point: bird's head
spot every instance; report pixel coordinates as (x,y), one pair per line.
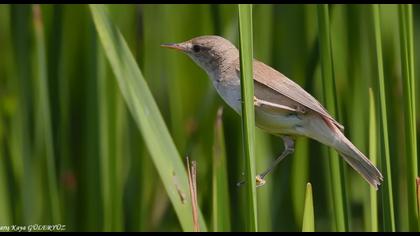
(208,51)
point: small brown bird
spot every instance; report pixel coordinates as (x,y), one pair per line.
(282,107)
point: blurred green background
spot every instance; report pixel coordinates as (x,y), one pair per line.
(71,153)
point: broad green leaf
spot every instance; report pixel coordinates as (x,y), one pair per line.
(145,112)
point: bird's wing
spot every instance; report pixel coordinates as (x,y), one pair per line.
(264,74)
(268,99)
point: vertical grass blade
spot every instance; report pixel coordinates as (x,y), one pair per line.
(263,49)
(308,224)
(386,191)
(145,112)
(5,101)
(90,171)
(418,196)
(45,114)
(5,215)
(265,194)
(68,54)
(373,147)
(301,156)
(105,104)
(220,190)
(299,175)
(336,172)
(405,13)
(20,140)
(248,122)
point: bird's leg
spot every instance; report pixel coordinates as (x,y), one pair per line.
(289,147)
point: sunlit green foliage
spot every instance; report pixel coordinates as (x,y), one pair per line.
(85,143)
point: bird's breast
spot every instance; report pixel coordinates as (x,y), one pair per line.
(230,91)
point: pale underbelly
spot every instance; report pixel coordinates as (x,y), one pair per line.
(272,121)
(279,122)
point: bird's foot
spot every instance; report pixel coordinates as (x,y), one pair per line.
(259,180)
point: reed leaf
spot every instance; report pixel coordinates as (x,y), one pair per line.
(405,13)
(248,122)
(44,114)
(373,147)
(386,191)
(263,49)
(5,215)
(20,139)
(220,191)
(308,224)
(336,165)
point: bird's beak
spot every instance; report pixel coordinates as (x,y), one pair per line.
(176,46)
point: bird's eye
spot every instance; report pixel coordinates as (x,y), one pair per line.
(196,48)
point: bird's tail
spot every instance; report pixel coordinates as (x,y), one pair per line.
(359,162)
(326,132)
(356,159)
